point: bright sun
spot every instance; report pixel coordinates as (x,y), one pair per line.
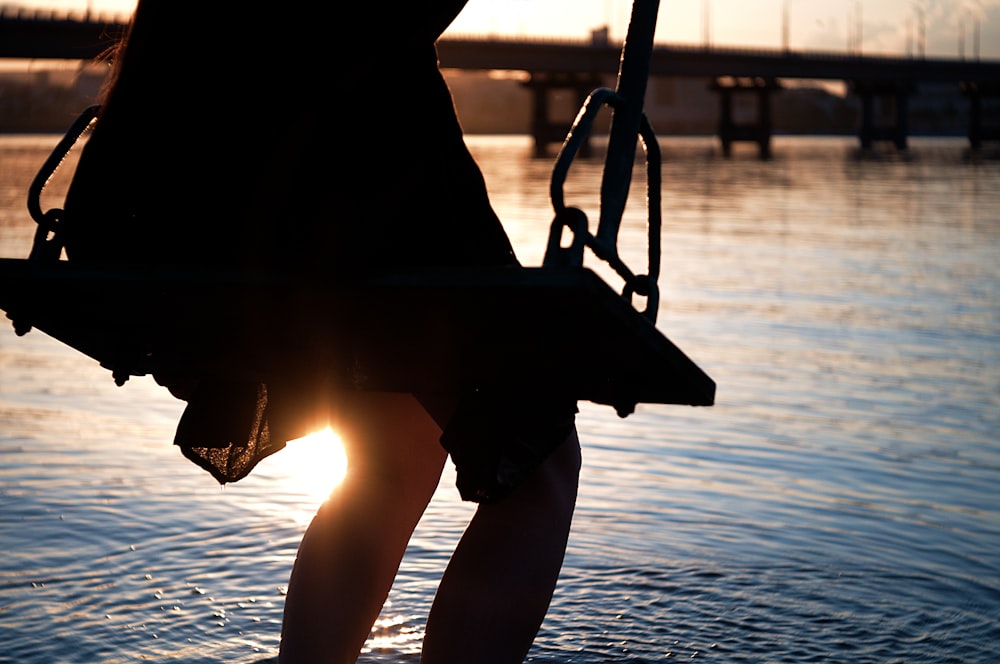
(317,461)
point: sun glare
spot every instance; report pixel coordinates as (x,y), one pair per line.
(318,461)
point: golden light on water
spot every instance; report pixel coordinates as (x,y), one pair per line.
(395,634)
(317,462)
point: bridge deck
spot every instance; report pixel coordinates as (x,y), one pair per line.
(45,37)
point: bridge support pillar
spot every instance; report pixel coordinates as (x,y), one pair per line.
(545,129)
(893,109)
(759,129)
(978,133)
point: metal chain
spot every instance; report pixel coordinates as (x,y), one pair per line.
(47,244)
(576,221)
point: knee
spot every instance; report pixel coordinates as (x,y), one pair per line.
(390,442)
(565,463)
(556,480)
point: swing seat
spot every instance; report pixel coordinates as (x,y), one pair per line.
(562,330)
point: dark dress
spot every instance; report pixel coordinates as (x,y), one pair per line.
(296,144)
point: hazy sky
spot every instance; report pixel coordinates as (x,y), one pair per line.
(937,28)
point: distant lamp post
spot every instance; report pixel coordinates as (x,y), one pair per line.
(975,41)
(961,38)
(921,30)
(975,36)
(784,26)
(854,34)
(706,23)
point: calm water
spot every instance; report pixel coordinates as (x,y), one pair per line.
(840,503)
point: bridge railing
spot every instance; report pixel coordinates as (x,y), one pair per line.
(53,35)
(12,14)
(19,13)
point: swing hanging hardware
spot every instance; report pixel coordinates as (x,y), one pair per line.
(47,244)
(575,220)
(80,126)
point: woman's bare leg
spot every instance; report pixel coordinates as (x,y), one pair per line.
(498,585)
(351,551)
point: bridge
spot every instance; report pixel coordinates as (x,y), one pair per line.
(578,65)
(582,65)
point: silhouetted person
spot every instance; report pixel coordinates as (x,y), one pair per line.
(324,144)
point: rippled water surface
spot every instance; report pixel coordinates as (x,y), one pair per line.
(839,503)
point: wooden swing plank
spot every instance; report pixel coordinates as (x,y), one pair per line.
(431,331)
